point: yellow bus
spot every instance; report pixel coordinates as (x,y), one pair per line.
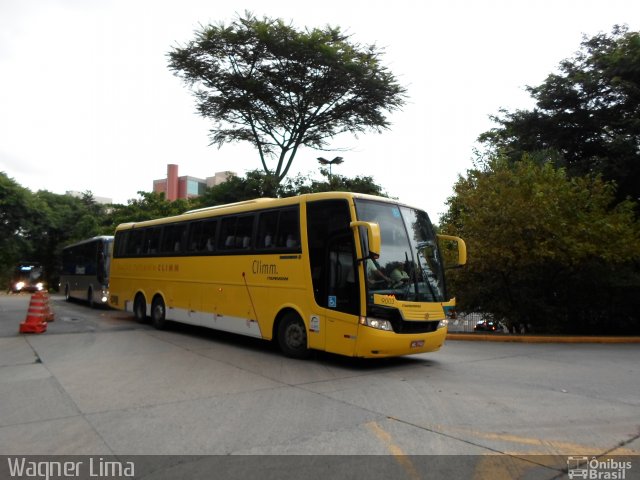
(346,273)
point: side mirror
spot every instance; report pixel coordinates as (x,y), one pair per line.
(461,250)
(373,244)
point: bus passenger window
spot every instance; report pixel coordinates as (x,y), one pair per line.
(227,239)
(244,231)
(289,229)
(291,241)
(267,226)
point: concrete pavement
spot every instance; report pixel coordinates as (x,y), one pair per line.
(99,383)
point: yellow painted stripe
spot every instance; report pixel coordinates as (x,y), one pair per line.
(545,447)
(395,450)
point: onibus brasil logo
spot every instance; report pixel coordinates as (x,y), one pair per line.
(597,469)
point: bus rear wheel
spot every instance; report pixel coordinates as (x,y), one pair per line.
(292,336)
(140,308)
(158,313)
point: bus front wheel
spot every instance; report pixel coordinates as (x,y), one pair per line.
(292,336)
(158,313)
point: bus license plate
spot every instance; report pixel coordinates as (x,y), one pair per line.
(417,344)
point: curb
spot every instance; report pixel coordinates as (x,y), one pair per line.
(483,337)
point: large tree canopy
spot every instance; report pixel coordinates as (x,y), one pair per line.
(587,115)
(545,249)
(264,82)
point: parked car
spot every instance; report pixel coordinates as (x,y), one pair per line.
(488,326)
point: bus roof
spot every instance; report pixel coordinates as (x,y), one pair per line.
(107,238)
(252,205)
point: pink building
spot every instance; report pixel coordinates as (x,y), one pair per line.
(175,187)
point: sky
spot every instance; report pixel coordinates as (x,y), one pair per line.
(87,102)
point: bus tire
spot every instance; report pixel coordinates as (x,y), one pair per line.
(140,308)
(292,336)
(158,313)
(90,298)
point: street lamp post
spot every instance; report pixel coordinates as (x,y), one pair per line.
(335,161)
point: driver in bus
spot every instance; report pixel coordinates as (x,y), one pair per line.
(375,275)
(399,276)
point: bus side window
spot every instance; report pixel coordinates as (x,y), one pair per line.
(209,235)
(288,229)
(202,236)
(173,238)
(152,240)
(119,244)
(134,243)
(291,241)
(227,233)
(267,227)
(244,231)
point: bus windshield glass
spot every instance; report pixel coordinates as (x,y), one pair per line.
(409,266)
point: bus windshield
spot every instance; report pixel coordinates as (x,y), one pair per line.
(409,266)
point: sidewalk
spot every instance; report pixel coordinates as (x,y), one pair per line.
(502,337)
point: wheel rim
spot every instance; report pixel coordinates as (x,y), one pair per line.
(158,312)
(294,336)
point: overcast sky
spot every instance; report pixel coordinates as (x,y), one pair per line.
(87,102)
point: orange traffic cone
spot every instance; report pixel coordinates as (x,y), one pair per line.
(35,321)
(48,312)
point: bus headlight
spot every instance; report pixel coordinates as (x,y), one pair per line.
(377,323)
(443,323)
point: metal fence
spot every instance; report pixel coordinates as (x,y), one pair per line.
(465,322)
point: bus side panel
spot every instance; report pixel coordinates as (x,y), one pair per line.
(342,333)
(183,301)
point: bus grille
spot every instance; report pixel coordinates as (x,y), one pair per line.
(403,326)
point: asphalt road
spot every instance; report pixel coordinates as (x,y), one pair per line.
(98,383)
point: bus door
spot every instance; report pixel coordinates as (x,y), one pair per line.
(343,297)
(334,322)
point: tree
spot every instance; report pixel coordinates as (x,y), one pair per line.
(331,183)
(237,189)
(17,212)
(587,115)
(149,206)
(59,221)
(545,249)
(278,88)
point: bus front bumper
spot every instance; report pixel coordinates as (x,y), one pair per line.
(374,343)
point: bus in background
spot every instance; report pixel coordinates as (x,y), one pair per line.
(27,277)
(85,270)
(346,273)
